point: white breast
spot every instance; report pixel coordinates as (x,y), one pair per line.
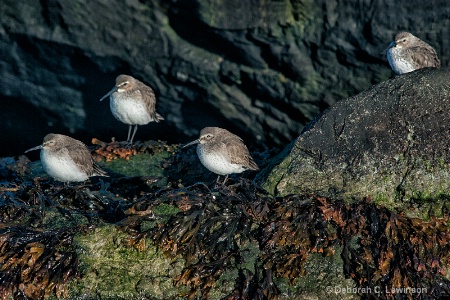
(128,110)
(217,163)
(61,168)
(398,63)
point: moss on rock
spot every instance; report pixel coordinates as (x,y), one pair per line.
(385,143)
(111,270)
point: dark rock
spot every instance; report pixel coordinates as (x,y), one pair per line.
(390,142)
(135,235)
(261,69)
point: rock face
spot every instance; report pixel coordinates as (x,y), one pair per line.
(262,69)
(389,142)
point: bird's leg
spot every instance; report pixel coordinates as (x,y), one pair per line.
(217,182)
(129,133)
(130,141)
(221,184)
(134,132)
(225,180)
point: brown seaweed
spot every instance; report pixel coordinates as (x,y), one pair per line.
(215,231)
(36,264)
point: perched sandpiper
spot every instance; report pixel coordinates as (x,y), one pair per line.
(222,152)
(408,53)
(133,103)
(67,159)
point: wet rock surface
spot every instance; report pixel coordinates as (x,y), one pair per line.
(262,75)
(158,228)
(390,142)
(141,237)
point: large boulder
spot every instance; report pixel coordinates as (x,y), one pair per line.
(390,142)
(262,69)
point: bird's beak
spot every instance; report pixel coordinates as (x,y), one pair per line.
(392,44)
(34,148)
(110,92)
(192,143)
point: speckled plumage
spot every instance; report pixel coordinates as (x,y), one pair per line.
(223,152)
(133,103)
(67,159)
(408,53)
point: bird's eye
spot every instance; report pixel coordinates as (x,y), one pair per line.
(404,40)
(209,135)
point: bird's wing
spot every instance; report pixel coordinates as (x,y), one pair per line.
(81,156)
(424,56)
(150,101)
(238,153)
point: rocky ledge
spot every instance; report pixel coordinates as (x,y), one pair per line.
(149,232)
(263,75)
(390,143)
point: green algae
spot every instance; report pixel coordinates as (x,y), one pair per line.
(162,213)
(271,175)
(111,270)
(142,164)
(384,144)
(393,188)
(54,218)
(323,279)
(248,261)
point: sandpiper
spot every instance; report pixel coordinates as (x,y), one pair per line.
(67,159)
(408,53)
(133,103)
(222,152)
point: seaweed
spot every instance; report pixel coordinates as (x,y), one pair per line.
(382,250)
(212,232)
(122,150)
(36,264)
(236,240)
(296,229)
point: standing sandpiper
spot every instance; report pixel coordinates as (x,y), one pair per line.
(222,152)
(133,103)
(67,159)
(408,53)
